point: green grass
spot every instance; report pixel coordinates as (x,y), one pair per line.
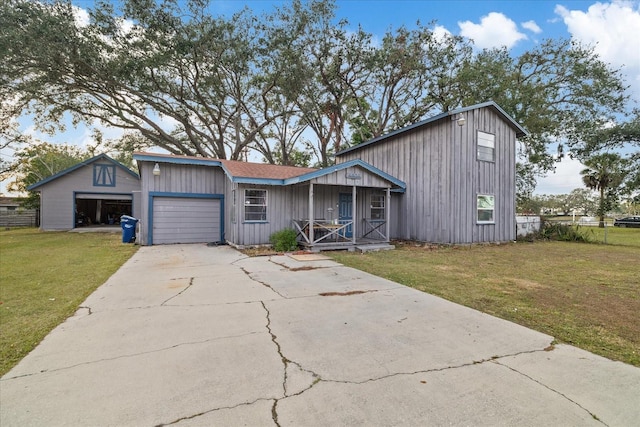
(614,235)
(587,295)
(44,277)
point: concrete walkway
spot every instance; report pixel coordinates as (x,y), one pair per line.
(191,335)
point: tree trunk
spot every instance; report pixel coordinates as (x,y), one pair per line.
(601,209)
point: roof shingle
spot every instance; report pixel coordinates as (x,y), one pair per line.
(242,169)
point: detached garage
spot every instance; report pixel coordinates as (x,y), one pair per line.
(94,192)
(186,218)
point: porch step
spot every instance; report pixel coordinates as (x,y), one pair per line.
(375,247)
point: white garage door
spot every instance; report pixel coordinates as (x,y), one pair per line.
(186,220)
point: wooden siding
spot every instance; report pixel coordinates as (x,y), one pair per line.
(56,197)
(279,208)
(289,203)
(438,163)
(178,180)
(366,178)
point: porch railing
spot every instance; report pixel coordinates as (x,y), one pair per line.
(323,231)
(373,228)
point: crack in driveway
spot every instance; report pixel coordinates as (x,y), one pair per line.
(125,356)
(190,417)
(594,416)
(286,364)
(248,273)
(179,293)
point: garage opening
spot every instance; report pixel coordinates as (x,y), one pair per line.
(101,209)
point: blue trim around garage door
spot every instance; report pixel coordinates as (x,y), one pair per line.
(154,194)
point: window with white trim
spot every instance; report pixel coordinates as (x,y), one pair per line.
(486,147)
(377,206)
(485,209)
(255,205)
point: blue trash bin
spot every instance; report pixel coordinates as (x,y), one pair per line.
(128,224)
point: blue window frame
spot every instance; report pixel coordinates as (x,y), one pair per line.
(104,175)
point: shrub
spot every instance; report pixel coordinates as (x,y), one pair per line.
(557,231)
(284,240)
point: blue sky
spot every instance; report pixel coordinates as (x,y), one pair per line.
(611,26)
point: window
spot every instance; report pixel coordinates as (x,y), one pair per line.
(377,206)
(486,206)
(486,147)
(104,175)
(255,205)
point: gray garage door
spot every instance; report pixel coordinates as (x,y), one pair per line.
(186,220)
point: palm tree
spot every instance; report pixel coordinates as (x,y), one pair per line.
(604,172)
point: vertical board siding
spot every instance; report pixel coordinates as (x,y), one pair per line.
(279,211)
(230,231)
(178,179)
(443,176)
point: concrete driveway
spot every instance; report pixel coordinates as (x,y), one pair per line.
(193,335)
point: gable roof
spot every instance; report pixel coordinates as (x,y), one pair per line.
(520,132)
(81,165)
(236,171)
(263,170)
(341,166)
(263,173)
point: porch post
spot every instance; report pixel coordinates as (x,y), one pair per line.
(311,237)
(387,214)
(353,214)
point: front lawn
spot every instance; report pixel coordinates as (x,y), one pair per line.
(587,295)
(614,235)
(44,277)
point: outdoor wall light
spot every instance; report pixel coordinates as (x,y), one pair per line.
(156,170)
(461,120)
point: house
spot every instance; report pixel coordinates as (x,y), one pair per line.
(195,199)
(96,191)
(447,179)
(9,204)
(459,168)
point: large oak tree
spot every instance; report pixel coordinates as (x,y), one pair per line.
(174,76)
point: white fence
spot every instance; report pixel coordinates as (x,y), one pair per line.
(527,225)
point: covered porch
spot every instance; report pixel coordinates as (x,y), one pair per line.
(348,207)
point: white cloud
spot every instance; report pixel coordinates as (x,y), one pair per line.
(81,16)
(531,26)
(612,28)
(441,33)
(494,30)
(565,178)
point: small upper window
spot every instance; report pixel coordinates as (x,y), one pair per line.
(486,146)
(486,208)
(255,205)
(104,175)
(377,206)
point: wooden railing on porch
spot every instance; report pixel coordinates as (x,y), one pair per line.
(323,230)
(374,228)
